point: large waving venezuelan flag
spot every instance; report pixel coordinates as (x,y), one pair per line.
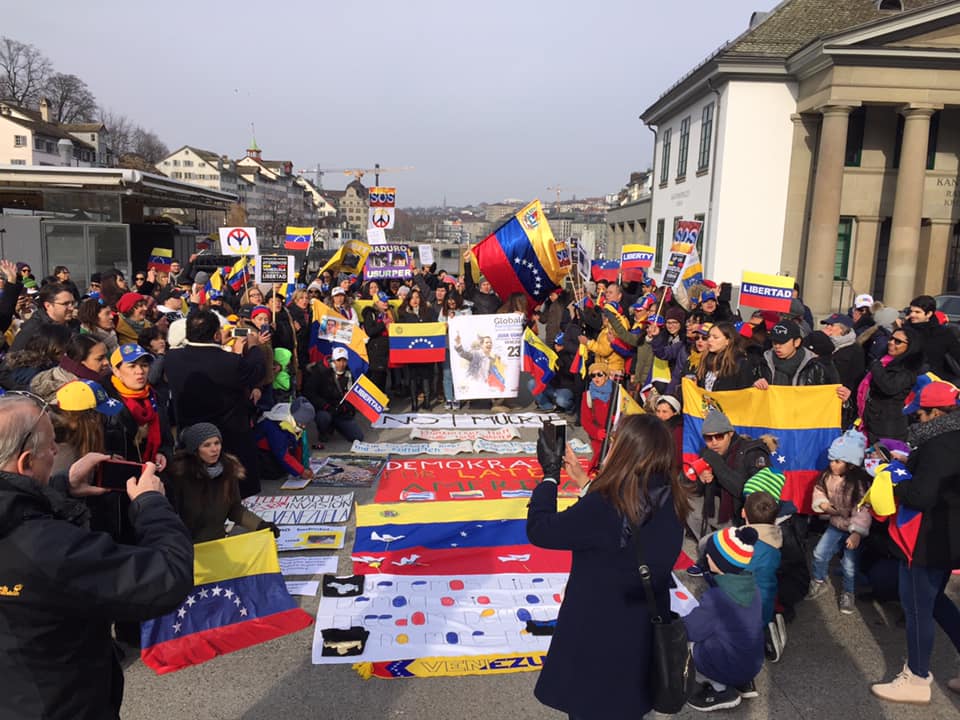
(239,599)
(523,256)
(805,420)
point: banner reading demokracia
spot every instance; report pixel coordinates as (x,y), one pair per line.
(485,355)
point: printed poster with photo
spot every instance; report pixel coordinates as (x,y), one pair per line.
(485,355)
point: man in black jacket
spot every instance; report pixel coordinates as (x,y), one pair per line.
(55,304)
(788,363)
(485,301)
(61,585)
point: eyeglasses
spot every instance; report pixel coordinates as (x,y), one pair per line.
(898,341)
(711,437)
(44,407)
(140,277)
(67,303)
(596,375)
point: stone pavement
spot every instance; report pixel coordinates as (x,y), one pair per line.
(826,671)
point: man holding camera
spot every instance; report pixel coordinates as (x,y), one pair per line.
(61,585)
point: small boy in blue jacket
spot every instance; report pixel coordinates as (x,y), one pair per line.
(760,510)
(726,629)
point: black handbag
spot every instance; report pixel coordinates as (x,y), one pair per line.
(672,677)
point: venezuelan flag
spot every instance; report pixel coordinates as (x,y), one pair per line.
(766,292)
(495,377)
(579,364)
(634,261)
(298,238)
(160,260)
(357,359)
(805,420)
(607,270)
(239,599)
(366,397)
(538,360)
(417,343)
(692,270)
(523,256)
(238,274)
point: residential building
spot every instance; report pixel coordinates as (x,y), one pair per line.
(28,137)
(628,215)
(822,143)
(201,167)
(354,208)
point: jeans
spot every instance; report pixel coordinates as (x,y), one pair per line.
(552,398)
(831,541)
(923,601)
(448,385)
(343,424)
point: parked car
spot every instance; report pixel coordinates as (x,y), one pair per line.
(949,305)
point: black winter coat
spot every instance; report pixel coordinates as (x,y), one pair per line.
(483,303)
(64,585)
(938,343)
(810,372)
(378,345)
(889,387)
(600,652)
(935,490)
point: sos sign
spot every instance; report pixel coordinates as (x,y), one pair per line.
(385,197)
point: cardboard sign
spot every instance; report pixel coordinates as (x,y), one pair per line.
(383,201)
(239,241)
(275,269)
(388,261)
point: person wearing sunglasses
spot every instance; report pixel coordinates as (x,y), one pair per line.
(63,584)
(56,305)
(595,408)
(890,379)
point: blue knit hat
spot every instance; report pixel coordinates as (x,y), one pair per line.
(849,447)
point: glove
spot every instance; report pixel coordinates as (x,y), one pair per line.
(549,456)
(272,527)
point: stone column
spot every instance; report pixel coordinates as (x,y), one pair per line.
(821,251)
(864,260)
(934,279)
(907,207)
(798,192)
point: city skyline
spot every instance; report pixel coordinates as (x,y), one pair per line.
(500,105)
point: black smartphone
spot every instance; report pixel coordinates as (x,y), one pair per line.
(241,332)
(113,474)
(560,435)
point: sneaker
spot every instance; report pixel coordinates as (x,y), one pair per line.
(954,684)
(455,405)
(905,688)
(772,645)
(695,571)
(781,622)
(706,699)
(448,405)
(816,589)
(748,691)
(848,606)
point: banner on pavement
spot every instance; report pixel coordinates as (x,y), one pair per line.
(485,355)
(510,447)
(301,509)
(465,420)
(505,433)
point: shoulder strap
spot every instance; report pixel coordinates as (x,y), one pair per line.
(645,575)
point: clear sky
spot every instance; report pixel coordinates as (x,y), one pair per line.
(486,100)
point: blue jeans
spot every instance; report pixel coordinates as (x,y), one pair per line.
(343,424)
(448,385)
(552,398)
(923,601)
(831,541)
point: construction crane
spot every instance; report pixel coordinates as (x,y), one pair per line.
(558,189)
(357,173)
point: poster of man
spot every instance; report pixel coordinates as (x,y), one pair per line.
(485,361)
(340,331)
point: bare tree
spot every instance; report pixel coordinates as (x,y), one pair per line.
(24,71)
(119,132)
(147,145)
(70,99)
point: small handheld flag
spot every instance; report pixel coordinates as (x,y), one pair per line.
(161,260)
(298,238)
(369,400)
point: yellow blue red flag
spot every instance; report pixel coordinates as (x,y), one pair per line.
(367,398)
(766,292)
(298,238)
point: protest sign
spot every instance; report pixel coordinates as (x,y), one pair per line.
(301,509)
(485,355)
(635,260)
(464,420)
(382,203)
(239,241)
(376,236)
(310,537)
(583,263)
(426,255)
(504,433)
(388,261)
(766,292)
(308,564)
(271,269)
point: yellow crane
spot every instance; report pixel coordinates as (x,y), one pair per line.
(357,173)
(558,189)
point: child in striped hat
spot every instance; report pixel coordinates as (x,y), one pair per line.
(726,629)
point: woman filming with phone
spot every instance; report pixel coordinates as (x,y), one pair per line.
(599,660)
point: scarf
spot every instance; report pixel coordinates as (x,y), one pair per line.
(922,432)
(840,341)
(601,392)
(142,405)
(863,390)
(785,369)
(80,370)
(214,471)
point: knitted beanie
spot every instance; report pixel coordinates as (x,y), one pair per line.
(302,411)
(731,549)
(194,436)
(849,447)
(766,480)
(716,422)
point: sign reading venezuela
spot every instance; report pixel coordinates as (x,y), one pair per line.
(766,292)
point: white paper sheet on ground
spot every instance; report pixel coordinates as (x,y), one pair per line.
(509,447)
(464,419)
(310,537)
(307,588)
(308,565)
(295,483)
(301,509)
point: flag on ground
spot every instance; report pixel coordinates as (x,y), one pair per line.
(298,238)
(239,599)
(766,292)
(417,343)
(367,398)
(538,360)
(160,260)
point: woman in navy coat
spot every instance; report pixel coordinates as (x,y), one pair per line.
(599,657)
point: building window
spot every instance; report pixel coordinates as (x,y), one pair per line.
(842,261)
(665,157)
(932,135)
(702,219)
(706,137)
(188,163)
(18,162)
(19,140)
(93,138)
(855,127)
(176,163)
(684,148)
(659,255)
(38,144)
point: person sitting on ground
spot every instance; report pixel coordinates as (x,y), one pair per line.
(325,387)
(280,436)
(205,486)
(282,382)
(726,628)
(760,510)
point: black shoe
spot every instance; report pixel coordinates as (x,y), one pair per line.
(748,691)
(706,699)
(695,571)
(772,645)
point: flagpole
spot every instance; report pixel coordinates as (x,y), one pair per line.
(614,403)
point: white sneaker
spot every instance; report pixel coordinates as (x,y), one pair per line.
(905,688)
